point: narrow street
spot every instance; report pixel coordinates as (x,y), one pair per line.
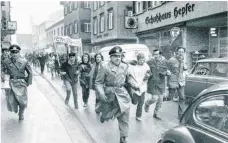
(47,119)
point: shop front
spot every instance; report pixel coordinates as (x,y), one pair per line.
(200,27)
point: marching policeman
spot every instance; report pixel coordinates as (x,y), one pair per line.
(115,100)
(20,78)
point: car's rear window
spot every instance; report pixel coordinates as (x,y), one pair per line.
(211,69)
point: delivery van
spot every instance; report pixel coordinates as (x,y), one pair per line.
(130,51)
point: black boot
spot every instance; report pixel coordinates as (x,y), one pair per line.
(123,139)
(21,113)
(157,117)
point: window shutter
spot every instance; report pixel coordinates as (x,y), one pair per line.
(134,7)
(82,4)
(82,26)
(144,5)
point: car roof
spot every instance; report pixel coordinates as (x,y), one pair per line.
(217,87)
(225,60)
(126,47)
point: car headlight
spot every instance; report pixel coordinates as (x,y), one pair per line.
(161,136)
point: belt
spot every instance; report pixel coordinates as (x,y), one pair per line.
(114,85)
(13,77)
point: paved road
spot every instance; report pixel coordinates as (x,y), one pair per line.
(47,119)
(146,131)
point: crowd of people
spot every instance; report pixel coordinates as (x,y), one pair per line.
(117,84)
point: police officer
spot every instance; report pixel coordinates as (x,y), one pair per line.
(156,82)
(115,100)
(17,67)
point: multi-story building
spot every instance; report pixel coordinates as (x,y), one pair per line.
(42,36)
(77,23)
(7,27)
(35,37)
(108,24)
(56,29)
(199,26)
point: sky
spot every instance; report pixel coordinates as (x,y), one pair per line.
(38,10)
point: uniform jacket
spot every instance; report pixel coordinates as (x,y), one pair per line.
(158,71)
(177,69)
(20,77)
(110,82)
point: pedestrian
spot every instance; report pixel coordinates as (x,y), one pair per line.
(69,72)
(114,98)
(51,64)
(156,82)
(42,60)
(141,73)
(20,78)
(85,68)
(93,74)
(176,80)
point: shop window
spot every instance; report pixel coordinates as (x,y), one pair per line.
(223,32)
(213,112)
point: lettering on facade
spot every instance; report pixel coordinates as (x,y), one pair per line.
(176,12)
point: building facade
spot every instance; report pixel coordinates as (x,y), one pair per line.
(5,19)
(56,29)
(77,23)
(42,36)
(196,25)
(108,24)
(35,37)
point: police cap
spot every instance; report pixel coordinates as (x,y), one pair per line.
(116,51)
(14,47)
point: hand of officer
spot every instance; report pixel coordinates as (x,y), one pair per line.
(62,73)
(168,73)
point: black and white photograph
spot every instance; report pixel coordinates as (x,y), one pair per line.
(114,71)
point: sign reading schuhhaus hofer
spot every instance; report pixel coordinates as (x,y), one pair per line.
(178,11)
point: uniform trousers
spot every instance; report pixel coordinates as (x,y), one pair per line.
(123,121)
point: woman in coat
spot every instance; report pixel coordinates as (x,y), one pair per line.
(95,67)
(85,68)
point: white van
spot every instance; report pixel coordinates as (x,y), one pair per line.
(131,51)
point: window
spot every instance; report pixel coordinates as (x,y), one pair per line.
(71,6)
(75,5)
(102,23)
(110,19)
(65,9)
(139,7)
(95,26)
(75,27)
(95,6)
(66,30)
(87,27)
(101,3)
(86,4)
(71,28)
(62,31)
(213,112)
(58,31)
(201,69)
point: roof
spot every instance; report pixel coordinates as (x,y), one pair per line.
(217,87)
(214,60)
(125,47)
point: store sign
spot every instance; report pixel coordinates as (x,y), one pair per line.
(182,11)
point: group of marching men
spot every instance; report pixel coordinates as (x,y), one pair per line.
(117,84)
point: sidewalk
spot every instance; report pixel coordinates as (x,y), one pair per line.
(146,131)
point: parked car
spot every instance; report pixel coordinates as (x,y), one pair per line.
(130,51)
(205,73)
(205,120)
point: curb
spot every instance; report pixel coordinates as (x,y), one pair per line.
(80,121)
